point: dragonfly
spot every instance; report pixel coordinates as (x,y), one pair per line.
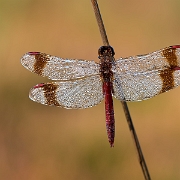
(79,84)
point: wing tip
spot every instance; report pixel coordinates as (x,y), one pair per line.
(36,93)
(25,56)
(28,61)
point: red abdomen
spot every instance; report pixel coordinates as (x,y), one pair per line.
(110,122)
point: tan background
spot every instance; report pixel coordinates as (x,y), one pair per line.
(42,143)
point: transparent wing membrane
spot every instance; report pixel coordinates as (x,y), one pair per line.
(81,93)
(156,60)
(56,68)
(141,77)
(142,86)
(137,87)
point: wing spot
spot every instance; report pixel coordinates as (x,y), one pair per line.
(167,75)
(41,61)
(167,79)
(50,94)
(170,55)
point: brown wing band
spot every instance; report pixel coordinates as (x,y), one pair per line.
(50,94)
(167,79)
(170,54)
(41,60)
(167,74)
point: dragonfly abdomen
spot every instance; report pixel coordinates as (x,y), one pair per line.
(109,110)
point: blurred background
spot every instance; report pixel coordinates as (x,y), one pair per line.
(39,142)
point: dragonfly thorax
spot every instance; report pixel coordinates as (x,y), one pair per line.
(106,56)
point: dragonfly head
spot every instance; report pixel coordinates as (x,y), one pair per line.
(106,51)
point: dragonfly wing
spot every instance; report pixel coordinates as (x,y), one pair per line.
(142,77)
(57,68)
(81,93)
(157,60)
(141,86)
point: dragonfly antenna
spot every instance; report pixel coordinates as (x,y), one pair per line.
(124,104)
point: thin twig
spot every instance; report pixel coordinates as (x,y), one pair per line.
(100,23)
(124,104)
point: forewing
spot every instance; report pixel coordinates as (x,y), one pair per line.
(81,93)
(141,77)
(57,68)
(157,60)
